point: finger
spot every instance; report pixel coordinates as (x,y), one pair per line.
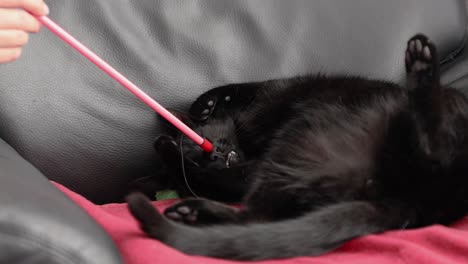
(8,55)
(13,38)
(18,19)
(37,7)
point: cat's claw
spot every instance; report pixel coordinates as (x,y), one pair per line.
(420,55)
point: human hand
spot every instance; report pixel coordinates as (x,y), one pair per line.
(16,23)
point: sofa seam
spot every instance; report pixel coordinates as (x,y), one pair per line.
(455,52)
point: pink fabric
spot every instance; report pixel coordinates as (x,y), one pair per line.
(431,245)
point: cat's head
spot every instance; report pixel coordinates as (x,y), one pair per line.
(221,133)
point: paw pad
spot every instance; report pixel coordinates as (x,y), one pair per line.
(419,55)
(182,213)
(203,107)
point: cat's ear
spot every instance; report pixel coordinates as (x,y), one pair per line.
(182,117)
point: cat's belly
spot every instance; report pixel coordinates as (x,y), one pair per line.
(331,148)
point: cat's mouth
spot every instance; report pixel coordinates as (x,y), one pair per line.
(232,158)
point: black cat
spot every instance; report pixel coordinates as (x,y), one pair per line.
(325,160)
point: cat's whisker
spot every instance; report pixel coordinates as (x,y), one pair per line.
(405,225)
(184,174)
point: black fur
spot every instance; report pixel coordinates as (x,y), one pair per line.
(324,160)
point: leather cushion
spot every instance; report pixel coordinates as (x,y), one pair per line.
(81,129)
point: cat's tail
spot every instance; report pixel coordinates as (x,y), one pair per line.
(312,234)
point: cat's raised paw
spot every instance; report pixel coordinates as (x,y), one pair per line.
(203,107)
(420,55)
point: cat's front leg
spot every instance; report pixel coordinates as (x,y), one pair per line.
(168,150)
(224,100)
(226,185)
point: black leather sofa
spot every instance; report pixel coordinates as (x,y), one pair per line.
(61,119)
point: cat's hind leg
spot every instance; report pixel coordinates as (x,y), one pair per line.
(423,76)
(421,61)
(423,79)
(313,233)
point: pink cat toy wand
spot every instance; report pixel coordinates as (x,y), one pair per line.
(104,66)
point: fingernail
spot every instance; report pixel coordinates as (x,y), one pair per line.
(46,10)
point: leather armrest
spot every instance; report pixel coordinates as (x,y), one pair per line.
(39,224)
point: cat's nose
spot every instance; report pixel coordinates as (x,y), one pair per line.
(219,153)
(217,161)
(217,156)
(220,148)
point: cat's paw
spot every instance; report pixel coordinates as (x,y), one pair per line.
(200,212)
(164,144)
(420,56)
(186,212)
(215,102)
(203,107)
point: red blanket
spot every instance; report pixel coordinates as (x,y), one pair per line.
(431,245)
